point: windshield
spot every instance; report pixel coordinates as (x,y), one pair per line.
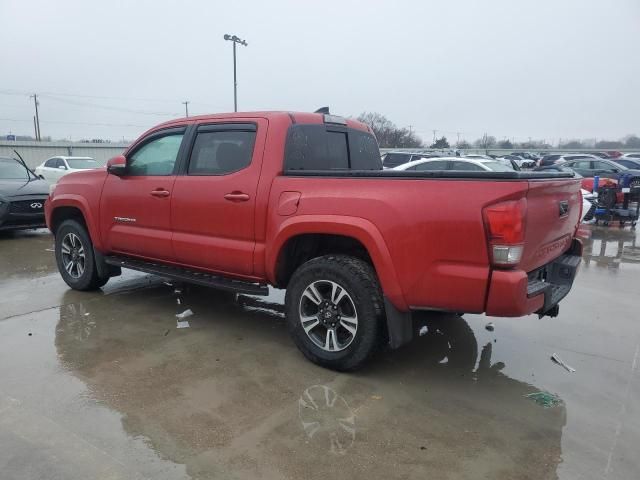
(11,169)
(82,163)
(498,166)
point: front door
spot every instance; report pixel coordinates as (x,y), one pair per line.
(214,200)
(135,208)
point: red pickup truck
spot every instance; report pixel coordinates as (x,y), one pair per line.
(300,201)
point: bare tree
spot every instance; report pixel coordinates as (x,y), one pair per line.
(388,134)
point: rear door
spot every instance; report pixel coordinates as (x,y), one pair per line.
(215,197)
(135,208)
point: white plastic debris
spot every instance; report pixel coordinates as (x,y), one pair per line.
(177,290)
(168,284)
(87,314)
(179,301)
(185,314)
(183,324)
(555,358)
(423,330)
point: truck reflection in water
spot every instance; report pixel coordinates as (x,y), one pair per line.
(608,247)
(225,393)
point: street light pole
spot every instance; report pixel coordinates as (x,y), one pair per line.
(186,107)
(235,40)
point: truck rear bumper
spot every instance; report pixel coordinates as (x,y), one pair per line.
(515,293)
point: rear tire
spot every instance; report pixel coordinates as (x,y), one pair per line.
(335,312)
(74,256)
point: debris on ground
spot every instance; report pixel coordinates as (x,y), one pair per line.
(185,314)
(87,314)
(177,290)
(490,326)
(49,250)
(423,330)
(178,301)
(545,399)
(168,284)
(183,324)
(166,333)
(555,358)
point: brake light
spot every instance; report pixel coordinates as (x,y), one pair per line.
(504,223)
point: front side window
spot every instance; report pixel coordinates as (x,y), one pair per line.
(395,159)
(582,164)
(221,152)
(155,158)
(60,163)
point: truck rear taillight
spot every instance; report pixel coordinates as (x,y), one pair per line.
(504,223)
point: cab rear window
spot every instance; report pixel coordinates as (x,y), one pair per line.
(321,147)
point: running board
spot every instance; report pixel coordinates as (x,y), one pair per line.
(189,276)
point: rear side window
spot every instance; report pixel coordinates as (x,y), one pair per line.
(466,166)
(51,163)
(315,147)
(221,152)
(395,159)
(431,166)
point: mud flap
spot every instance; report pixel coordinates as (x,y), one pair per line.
(399,325)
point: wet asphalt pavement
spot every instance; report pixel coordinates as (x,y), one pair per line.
(102,385)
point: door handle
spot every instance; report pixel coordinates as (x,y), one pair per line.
(160,193)
(237,197)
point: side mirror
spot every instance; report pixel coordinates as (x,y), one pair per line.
(62,167)
(117,165)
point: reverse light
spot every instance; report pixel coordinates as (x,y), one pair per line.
(504,223)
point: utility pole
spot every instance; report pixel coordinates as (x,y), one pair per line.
(35,128)
(186,107)
(410,130)
(37,122)
(458,134)
(235,40)
(434,136)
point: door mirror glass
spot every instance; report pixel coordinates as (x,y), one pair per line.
(117,165)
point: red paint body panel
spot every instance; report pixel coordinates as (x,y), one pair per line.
(428,243)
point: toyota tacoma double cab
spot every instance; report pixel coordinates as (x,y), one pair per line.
(300,201)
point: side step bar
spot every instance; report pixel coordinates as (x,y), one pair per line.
(189,276)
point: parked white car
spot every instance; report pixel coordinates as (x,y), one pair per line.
(455,164)
(56,167)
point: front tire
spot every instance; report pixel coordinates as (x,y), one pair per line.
(334,311)
(74,256)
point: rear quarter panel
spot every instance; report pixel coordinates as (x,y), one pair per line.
(432,229)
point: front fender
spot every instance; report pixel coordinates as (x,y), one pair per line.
(355,227)
(81,203)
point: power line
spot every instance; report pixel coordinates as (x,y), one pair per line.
(46,122)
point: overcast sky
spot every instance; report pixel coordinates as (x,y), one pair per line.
(545,69)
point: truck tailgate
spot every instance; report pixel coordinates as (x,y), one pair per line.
(553,212)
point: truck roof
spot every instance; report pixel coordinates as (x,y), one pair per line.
(295,117)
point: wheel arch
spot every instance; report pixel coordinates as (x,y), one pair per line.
(76,208)
(302,238)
